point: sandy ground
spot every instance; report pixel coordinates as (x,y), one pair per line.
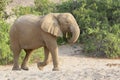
(74,65)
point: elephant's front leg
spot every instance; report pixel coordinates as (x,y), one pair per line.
(54,53)
(46,59)
(52,46)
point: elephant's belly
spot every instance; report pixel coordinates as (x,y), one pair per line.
(31,43)
(30,38)
(30,46)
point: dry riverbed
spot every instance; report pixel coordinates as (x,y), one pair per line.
(74,66)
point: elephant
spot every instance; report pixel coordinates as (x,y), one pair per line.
(30,32)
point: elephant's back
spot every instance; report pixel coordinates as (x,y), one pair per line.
(27,20)
(24,24)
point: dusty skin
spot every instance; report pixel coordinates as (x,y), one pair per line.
(74,65)
(30,32)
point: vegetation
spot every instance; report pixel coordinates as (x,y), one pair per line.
(3,4)
(99,21)
(25,10)
(5,55)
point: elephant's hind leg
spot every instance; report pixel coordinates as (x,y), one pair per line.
(46,59)
(16,53)
(26,59)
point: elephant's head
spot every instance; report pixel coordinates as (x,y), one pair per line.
(59,23)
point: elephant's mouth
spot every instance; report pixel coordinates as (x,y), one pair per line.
(68,35)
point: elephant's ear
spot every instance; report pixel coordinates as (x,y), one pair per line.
(51,25)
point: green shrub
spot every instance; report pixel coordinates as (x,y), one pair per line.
(111,43)
(3,4)
(44,6)
(67,6)
(41,8)
(99,23)
(5,54)
(25,10)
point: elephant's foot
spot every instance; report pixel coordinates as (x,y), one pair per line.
(16,68)
(56,69)
(41,65)
(24,67)
(40,68)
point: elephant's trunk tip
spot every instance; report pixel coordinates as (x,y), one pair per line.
(75,35)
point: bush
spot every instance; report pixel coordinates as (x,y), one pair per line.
(99,23)
(5,54)
(111,43)
(44,6)
(3,4)
(25,10)
(41,8)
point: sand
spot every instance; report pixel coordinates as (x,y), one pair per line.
(74,65)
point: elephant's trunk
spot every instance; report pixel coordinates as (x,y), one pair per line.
(75,34)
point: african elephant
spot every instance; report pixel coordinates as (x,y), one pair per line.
(30,32)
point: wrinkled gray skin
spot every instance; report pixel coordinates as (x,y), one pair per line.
(30,32)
